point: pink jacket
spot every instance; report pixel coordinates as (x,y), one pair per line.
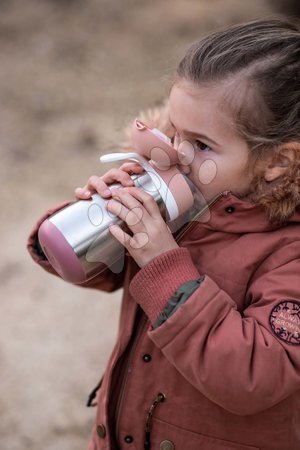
(223,372)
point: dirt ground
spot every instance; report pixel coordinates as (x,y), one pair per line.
(72,74)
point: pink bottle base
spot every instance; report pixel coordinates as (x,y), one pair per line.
(60,254)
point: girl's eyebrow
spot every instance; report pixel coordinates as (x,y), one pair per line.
(195,134)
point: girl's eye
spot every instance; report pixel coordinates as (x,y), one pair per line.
(201,146)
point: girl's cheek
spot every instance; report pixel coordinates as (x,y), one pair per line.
(203,171)
(207,171)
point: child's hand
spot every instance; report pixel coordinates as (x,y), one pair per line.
(101,184)
(150,235)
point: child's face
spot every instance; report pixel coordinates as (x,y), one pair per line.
(216,157)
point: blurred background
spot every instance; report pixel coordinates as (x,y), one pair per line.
(73,73)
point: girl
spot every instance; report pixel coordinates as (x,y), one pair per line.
(208,352)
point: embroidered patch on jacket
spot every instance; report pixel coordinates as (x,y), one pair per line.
(285,321)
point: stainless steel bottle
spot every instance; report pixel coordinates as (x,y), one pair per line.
(76,239)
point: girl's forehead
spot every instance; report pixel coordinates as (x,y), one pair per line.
(189,88)
(214,91)
(194,105)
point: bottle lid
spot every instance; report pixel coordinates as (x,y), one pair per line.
(177,196)
(153,145)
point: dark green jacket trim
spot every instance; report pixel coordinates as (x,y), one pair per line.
(182,294)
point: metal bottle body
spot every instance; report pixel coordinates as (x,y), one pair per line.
(77,240)
(83,231)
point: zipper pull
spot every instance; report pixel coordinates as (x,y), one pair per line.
(158,399)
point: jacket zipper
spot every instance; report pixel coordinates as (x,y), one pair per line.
(142,324)
(160,397)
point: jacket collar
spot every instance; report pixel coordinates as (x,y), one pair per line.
(231,214)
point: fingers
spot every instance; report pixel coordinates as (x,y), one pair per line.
(146,235)
(82,193)
(137,242)
(127,208)
(134,207)
(146,199)
(119,175)
(94,184)
(100,184)
(132,167)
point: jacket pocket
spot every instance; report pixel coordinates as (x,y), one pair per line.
(163,432)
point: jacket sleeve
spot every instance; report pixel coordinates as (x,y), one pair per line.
(242,362)
(106,281)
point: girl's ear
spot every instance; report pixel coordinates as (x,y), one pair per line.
(278,163)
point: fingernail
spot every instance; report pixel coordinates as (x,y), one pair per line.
(106,193)
(87,193)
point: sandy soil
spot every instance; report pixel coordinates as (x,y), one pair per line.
(72,74)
